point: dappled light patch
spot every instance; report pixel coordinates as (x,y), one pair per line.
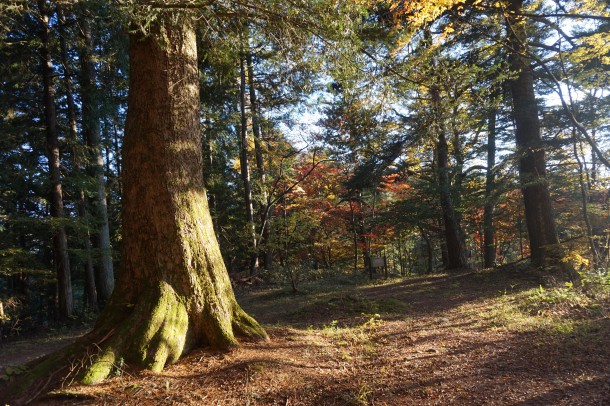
(466,343)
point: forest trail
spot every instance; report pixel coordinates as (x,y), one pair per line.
(472,338)
(20,350)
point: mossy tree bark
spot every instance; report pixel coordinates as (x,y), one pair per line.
(173,292)
(173,282)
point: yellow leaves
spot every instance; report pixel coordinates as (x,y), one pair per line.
(591,7)
(575,259)
(591,58)
(411,16)
(419,12)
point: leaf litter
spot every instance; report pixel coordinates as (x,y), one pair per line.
(462,339)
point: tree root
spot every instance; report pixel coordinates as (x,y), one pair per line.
(151,334)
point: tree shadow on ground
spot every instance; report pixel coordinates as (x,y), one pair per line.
(413,296)
(434,350)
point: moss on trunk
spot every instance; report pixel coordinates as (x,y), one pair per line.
(173,291)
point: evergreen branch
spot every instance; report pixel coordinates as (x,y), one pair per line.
(565,15)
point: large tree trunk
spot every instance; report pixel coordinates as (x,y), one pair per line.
(104,273)
(172,273)
(61,260)
(456,251)
(532,163)
(173,292)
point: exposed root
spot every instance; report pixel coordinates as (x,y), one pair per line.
(245,326)
(150,334)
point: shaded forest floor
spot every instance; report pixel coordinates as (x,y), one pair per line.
(472,338)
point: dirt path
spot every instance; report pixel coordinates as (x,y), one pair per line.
(23,350)
(464,339)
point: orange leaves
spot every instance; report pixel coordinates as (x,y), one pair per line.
(393,184)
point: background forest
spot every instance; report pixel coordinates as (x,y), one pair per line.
(339,137)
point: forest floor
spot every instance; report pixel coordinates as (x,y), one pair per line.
(473,338)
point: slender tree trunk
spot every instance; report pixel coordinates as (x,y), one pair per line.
(354,234)
(593,163)
(401,260)
(116,151)
(429,249)
(443,245)
(104,273)
(260,162)
(456,181)
(89,279)
(60,241)
(363,240)
(245,167)
(532,163)
(584,194)
(489,232)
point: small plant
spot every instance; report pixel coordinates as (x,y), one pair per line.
(372,323)
(332,325)
(361,397)
(119,367)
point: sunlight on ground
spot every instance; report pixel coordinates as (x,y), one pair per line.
(473,338)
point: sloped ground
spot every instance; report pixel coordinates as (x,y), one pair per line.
(475,338)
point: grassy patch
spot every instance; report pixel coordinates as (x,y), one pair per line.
(560,310)
(357,341)
(564,301)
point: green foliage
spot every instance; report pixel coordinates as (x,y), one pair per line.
(556,301)
(596,284)
(14,261)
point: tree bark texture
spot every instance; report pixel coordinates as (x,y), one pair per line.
(61,259)
(532,163)
(104,272)
(173,291)
(172,273)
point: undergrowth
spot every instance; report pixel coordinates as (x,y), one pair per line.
(566,309)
